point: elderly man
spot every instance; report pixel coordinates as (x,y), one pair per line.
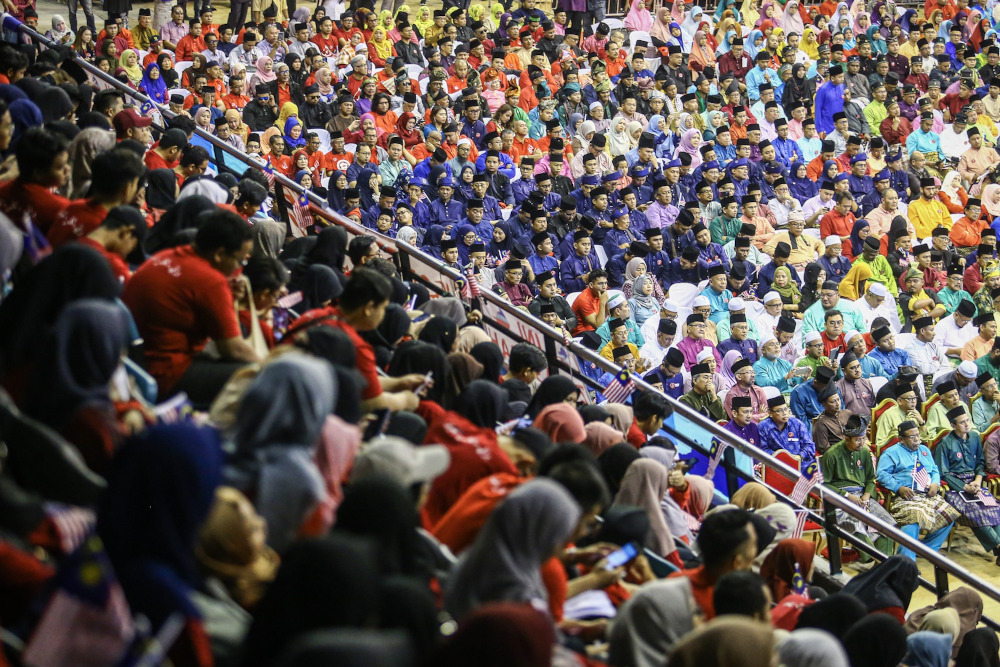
(874,304)
(986,410)
(964,378)
(978,158)
(783,431)
(954,331)
(858,346)
(856,392)
(702,396)
(829,299)
(905,410)
(924,353)
(746,387)
(962,466)
(804,248)
(695,341)
(773,371)
(848,469)
(908,471)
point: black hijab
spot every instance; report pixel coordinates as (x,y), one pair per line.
(161,188)
(330,343)
(441,332)
(414,356)
(979,649)
(613,462)
(482,403)
(318,284)
(874,641)
(383,338)
(889,584)
(835,614)
(325,583)
(183,215)
(593,413)
(330,248)
(381,509)
(554,389)
(809,281)
(72,272)
(490,356)
(169,76)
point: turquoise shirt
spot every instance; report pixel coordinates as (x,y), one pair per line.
(719,301)
(896,465)
(815,316)
(772,373)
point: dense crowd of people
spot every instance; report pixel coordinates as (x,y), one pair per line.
(237,435)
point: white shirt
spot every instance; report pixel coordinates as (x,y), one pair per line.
(651,352)
(927,358)
(954,144)
(886,310)
(948,335)
(814,204)
(781,210)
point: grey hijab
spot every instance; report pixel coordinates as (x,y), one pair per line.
(519,536)
(82,151)
(781,517)
(268,237)
(279,424)
(649,625)
(812,648)
(447,306)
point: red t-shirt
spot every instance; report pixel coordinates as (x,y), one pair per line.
(19,199)
(154,160)
(363,350)
(458,528)
(327,47)
(179,302)
(702,589)
(76,221)
(585,304)
(118,265)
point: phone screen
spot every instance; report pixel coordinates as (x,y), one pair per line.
(622,556)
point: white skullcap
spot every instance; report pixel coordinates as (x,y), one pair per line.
(848,335)
(700,301)
(878,289)
(968,370)
(670,305)
(812,336)
(736,303)
(833,239)
(616,301)
(772,296)
(767,338)
(705,355)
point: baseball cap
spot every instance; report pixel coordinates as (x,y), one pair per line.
(126,119)
(400,461)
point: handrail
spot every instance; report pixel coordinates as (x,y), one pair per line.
(521,325)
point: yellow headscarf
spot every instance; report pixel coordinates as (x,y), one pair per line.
(476,12)
(385,19)
(288,109)
(133,71)
(383,48)
(422,21)
(850,286)
(809,47)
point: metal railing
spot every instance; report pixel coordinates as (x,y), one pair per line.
(508,325)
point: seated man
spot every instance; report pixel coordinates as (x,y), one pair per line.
(695,341)
(908,471)
(746,387)
(848,469)
(619,338)
(702,396)
(904,410)
(937,415)
(962,465)
(807,399)
(783,431)
(885,351)
(986,409)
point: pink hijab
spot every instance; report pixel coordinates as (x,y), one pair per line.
(638,17)
(688,147)
(601,436)
(561,422)
(645,485)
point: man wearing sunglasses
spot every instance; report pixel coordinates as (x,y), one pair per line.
(261,112)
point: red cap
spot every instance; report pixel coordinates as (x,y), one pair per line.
(126,119)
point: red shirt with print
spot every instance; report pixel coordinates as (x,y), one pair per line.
(19,200)
(119,266)
(179,302)
(76,221)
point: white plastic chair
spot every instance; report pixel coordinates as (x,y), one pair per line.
(350,148)
(638,36)
(877,382)
(683,294)
(423,85)
(324,138)
(178,91)
(571,297)
(602,256)
(903,339)
(181,66)
(771,392)
(614,24)
(414,71)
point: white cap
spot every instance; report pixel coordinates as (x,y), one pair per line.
(705,355)
(968,370)
(616,300)
(878,289)
(736,303)
(400,461)
(670,305)
(772,296)
(833,239)
(766,338)
(700,301)
(848,335)
(811,337)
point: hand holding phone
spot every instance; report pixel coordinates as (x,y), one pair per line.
(621,557)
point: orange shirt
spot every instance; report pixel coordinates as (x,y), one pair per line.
(701,588)
(835,223)
(522,147)
(967,233)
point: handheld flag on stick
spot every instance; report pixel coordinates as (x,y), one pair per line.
(716,452)
(920,476)
(812,476)
(620,387)
(801,516)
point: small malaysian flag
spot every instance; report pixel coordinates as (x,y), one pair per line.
(798,581)
(298,211)
(176,409)
(715,453)
(269,174)
(474,290)
(146,107)
(813,475)
(920,476)
(411,302)
(801,517)
(567,336)
(72,524)
(290,300)
(620,387)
